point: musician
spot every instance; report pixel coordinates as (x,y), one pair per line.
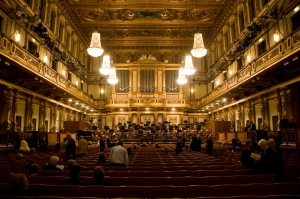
(102,144)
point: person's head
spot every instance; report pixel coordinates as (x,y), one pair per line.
(263,144)
(177,151)
(249,144)
(75,170)
(247,122)
(99,173)
(32,150)
(235,135)
(68,136)
(272,143)
(18,182)
(54,160)
(19,156)
(34,168)
(70,163)
(120,143)
(81,137)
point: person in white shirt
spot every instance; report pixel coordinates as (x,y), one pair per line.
(119,156)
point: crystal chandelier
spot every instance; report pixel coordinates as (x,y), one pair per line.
(112,77)
(181,77)
(188,65)
(198,50)
(95,49)
(105,68)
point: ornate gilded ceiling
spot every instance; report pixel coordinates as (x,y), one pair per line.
(147,22)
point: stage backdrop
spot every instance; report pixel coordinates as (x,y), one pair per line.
(174,119)
(145,118)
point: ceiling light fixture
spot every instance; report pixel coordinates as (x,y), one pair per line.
(105,68)
(181,77)
(188,65)
(95,49)
(113,77)
(198,50)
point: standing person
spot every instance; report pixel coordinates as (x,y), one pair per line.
(209,145)
(236,143)
(74,179)
(183,142)
(43,143)
(70,148)
(62,145)
(179,146)
(119,156)
(82,147)
(108,142)
(102,144)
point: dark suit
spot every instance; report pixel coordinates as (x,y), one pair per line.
(51,167)
(235,142)
(70,149)
(271,163)
(246,160)
(108,143)
(102,145)
(43,144)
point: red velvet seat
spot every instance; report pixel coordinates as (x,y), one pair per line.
(99,191)
(137,181)
(212,180)
(156,181)
(261,178)
(4,173)
(259,189)
(285,188)
(36,179)
(17,167)
(236,179)
(193,191)
(130,191)
(55,180)
(69,190)
(163,191)
(226,190)
(187,180)
(42,189)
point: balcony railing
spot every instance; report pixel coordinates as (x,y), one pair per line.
(14,52)
(280,50)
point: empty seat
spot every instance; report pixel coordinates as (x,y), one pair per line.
(42,189)
(187,180)
(99,191)
(36,179)
(226,190)
(4,173)
(130,191)
(137,181)
(259,189)
(193,191)
(69,190)
(55,180)
(285,188)
(163,191)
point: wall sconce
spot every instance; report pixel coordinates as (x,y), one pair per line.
(276,37)
(17,37)
(33,40)
(76,83)
(248,58)
(121,109)
(260,40)
(224,100)
(173,109)
(217,82)
(230,72)
(82,82)
(296,9)
(147,109)
(77,103)
(45,59)
(102,91)
(192,90)
(70,100)
(63,72)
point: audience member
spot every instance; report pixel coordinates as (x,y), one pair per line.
(70,163)
(179,146)
(74,176)
(33,151)
(43,143)
(19,157)
(62,145)
(209,145)
(270,163)
(54,160)
(157,146)
(34,169)
(195,145)
(236,143)
(18,185)
(119,156)
(70,148)
(166,150)
(102,145)
(24,145)
(183,142)
(99,177)
(108,142)
(247,161)
(82,147)
(254,144)
(101,158)
(129,151)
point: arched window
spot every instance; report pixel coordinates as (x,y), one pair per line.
(213,53)
(169,58)
(68,39)
(52,18)
(74,45)
(30,3)
(42,7)
(61,29)
(81,53)
(220,45)
(232,29)
(225,37)
(241,18)
(251,10)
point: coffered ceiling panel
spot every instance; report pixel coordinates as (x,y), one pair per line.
(155,22)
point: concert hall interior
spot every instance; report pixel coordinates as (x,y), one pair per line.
(168,78)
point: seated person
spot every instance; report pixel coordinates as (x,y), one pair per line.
(34,169)
(74,176)
(33,151)
(70,163)
(236,143)
(54,160)
(246,159)
(99,177)
(18,185)
(19,157)
(43,143)
(24,145)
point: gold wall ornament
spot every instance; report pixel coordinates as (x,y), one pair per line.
(285,103)
(30,111)
(15,107)
(278,108)
(43,116)
(8,108)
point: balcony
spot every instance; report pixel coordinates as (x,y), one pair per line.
(31,64)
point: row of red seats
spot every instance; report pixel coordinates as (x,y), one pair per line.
(153,181)
(163,191)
